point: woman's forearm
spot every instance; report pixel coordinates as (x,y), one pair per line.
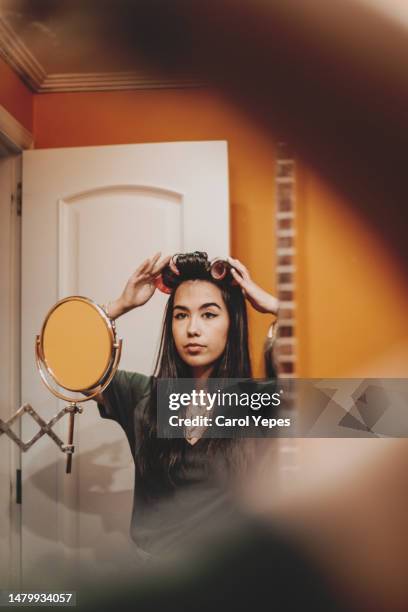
(116,308)
(274,305)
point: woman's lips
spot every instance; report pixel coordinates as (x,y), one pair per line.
(194,348)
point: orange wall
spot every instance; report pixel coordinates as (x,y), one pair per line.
(353,301)
(351,304)
(15,96)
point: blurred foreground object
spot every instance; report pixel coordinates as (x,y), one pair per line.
(327,77)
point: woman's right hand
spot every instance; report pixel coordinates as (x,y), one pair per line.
(140,286)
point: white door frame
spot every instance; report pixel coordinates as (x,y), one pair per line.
(14,138)
(13,135)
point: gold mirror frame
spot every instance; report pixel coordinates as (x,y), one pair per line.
(111,366)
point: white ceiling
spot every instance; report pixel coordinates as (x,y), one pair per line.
(66,49)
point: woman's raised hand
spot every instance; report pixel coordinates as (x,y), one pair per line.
(260,299)
(140,286)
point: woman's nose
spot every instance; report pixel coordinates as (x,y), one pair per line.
(193,327)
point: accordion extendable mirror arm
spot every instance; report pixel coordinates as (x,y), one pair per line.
(45,427)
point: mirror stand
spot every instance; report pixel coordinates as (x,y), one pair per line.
(73,409)
(82,360)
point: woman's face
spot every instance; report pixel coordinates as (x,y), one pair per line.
(200,324)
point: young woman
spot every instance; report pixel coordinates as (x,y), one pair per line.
(181,484)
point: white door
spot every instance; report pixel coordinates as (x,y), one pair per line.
(90,216)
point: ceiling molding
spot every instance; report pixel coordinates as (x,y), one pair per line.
(19,57)
(110,81)
(15,133)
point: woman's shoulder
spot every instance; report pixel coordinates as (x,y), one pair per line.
(136,382)
(124,395)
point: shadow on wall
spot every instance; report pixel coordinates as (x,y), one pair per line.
(98,515)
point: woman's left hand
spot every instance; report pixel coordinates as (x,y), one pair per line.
(261,300)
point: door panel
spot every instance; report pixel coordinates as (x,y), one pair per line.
(131,222)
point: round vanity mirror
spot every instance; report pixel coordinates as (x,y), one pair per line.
(77,349)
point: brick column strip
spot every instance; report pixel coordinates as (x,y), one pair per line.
(285,346)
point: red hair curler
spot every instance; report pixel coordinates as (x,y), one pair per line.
(219,268)
(158,281)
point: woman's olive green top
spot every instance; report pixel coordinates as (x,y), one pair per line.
(198,507)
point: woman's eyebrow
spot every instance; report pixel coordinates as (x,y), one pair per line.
(206,305)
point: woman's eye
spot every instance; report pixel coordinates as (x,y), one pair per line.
(182,315)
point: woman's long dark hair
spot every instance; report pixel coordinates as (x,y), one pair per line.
(160,460)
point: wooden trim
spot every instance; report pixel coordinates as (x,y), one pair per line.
(14,133)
